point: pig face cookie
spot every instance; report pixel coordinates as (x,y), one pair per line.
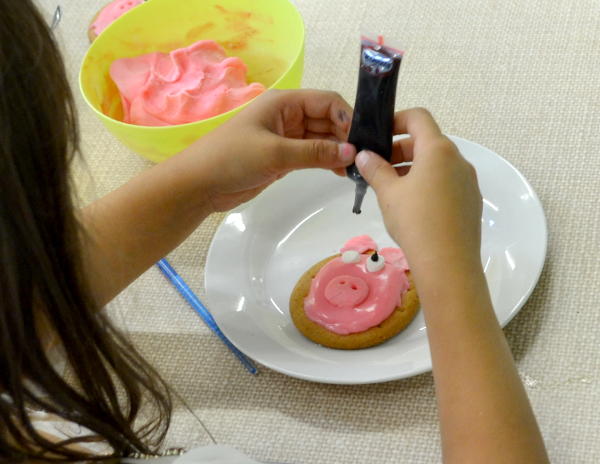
(356,299)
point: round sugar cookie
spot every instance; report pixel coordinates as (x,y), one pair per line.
(400,318)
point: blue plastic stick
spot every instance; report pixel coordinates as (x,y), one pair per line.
(186,292)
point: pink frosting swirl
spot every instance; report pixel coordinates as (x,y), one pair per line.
(189,84)
(111,12)
(346,298)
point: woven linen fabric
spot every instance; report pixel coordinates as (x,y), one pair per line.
(521,78)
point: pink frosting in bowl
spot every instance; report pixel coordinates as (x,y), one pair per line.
(111,12)
(351,297)
(187,85)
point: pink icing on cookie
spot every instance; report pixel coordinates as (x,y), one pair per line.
(346,290)
(361,244)
(395,256)
(346,298)
(111,12)
(189,84)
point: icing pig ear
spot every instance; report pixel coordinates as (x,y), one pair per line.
(361,244)
(375,263)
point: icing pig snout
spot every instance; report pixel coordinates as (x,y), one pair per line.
(346,291)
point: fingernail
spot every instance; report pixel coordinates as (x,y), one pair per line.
(362,159)
(346,152)
(343,116)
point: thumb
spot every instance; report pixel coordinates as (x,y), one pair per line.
(376,171)
(314,153)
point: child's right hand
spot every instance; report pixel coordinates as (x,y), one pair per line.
(433,211)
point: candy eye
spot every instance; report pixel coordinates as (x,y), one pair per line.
(375,263)
(350,256)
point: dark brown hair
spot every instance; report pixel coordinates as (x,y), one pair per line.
(42,272)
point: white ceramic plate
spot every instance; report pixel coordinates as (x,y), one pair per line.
(262,248)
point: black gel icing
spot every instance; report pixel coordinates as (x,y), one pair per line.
(373,119)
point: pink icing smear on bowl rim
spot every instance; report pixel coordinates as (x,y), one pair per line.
(111,12)
(352,292)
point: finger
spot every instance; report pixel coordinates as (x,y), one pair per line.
(418,122)
(341,132)
(402,170)
(312,153)
(402,150)
(315,136)
(340,171)
(321,126)
(325,126)
(376,171)
(322,104)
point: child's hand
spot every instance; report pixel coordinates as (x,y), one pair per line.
(279,132)
(434,210)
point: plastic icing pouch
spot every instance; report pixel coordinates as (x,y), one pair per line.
(373,120)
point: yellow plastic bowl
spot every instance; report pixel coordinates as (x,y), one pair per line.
(267,34)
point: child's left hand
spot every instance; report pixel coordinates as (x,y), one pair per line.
(279,132)
(139,223)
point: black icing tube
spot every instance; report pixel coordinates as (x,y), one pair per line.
(373,120)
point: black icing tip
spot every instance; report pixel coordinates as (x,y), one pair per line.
(359,195)
(375,257)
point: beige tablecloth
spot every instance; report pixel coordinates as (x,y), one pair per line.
(520,77)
